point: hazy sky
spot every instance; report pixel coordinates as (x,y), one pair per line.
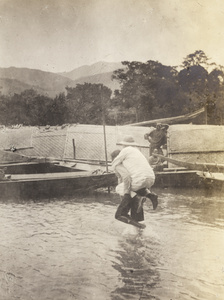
(60,35)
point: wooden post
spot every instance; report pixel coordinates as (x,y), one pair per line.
(206,114)
(105,146)
(74,153)
(104,131)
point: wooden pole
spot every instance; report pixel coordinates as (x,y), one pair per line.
(104,127)
(74,152)
(104,130)
(105,146)
(206,114)
(205,167)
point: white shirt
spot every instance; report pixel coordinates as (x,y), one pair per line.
(135,163)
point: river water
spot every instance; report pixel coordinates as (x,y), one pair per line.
(73,248)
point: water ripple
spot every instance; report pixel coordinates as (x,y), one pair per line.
(73,248)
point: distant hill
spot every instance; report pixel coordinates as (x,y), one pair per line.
(12,86)
(15,80)
(104,78)
(91,70)
(50,83)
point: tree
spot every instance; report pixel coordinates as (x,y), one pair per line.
(30,108)
(35,108)
(203,88)
(195,59)
(86,103)
(57,110)
(144,87)
(4,107)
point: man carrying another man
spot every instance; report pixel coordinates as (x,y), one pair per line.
(137,177)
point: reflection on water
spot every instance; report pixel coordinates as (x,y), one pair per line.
(75,249)
(137,264)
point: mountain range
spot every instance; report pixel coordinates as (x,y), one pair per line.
(16,80)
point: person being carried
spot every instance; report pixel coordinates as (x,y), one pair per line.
(157,138)
(141,176)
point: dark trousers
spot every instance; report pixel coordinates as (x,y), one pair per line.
(129,204)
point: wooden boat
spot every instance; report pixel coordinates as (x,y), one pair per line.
(49,179)
(191,175)
(213,180)
(53,178)
(205,167)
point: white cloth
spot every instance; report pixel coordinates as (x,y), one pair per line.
(141,173)
(120,190)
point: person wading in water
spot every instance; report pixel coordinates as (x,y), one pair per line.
(137,178)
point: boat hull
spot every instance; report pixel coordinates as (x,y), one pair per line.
(53,187)
(178,179)
(30,185)
(187,179)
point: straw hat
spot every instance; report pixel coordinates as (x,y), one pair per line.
(128,140)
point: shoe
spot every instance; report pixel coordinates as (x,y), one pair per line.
(130,221)
(137,224)
(154,198)
(142,226)
(141,201)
